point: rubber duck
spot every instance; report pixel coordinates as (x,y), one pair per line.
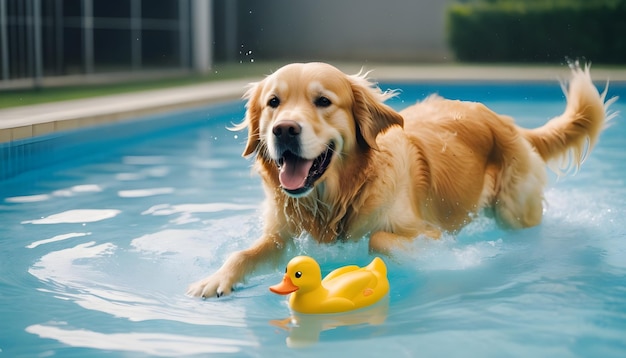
(344,289)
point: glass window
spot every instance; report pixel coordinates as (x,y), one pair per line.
(73,50)
(111,8)
(159,9)
(112,50)
(72,8)
(160,48)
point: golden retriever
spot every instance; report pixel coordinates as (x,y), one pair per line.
(339,164)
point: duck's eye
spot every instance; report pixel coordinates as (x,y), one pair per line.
(322,102)
(285,270)
(273,102)
(298,274)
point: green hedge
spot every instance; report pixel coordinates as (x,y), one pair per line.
(538,30)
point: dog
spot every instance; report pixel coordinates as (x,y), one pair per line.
(338,164)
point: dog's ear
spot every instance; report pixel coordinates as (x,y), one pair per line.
(370,113)
(252,118)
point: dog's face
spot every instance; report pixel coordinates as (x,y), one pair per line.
(307,118)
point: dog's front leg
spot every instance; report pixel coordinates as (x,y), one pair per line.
(236,267)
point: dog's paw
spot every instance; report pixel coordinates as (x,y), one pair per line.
(217,285)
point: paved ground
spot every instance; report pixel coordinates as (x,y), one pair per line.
(24,122)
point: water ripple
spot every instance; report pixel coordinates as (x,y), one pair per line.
(57,238)
(141,193)
(77,216)
(76,274)
(154,344)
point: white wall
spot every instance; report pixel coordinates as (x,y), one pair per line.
(356,30)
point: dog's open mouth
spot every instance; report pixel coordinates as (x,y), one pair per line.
(297,175)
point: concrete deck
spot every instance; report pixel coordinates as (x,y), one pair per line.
(28,121)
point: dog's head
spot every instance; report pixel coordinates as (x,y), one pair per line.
(307,118)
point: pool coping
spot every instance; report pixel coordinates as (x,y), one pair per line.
(30,121)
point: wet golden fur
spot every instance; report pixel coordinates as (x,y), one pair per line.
(396,176)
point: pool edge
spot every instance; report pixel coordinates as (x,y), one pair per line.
(25,122)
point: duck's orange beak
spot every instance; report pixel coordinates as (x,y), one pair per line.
(284,288)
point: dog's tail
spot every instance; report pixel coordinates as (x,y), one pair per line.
(565,141)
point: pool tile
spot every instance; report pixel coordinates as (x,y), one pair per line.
(66,124)
(43,128)
(21,132)
(5,135)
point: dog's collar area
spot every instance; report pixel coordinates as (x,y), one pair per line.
(298,175)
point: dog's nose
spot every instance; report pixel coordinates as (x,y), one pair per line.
(286,129)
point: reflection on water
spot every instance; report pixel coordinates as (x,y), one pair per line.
(76,216)
(57,238)
(153,344)
(67,192)
(89,275)
(305,329)
(82,275)
(140,193)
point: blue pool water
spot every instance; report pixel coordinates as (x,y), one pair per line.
(101,235)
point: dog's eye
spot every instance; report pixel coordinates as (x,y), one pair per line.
(298,274)
(273,102)
(322,102)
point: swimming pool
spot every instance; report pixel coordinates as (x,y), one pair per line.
(101,236)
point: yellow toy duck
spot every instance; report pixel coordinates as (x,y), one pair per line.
(344,289)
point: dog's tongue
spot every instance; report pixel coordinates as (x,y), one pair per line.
(294,171)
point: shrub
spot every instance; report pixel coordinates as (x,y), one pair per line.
(538,30)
